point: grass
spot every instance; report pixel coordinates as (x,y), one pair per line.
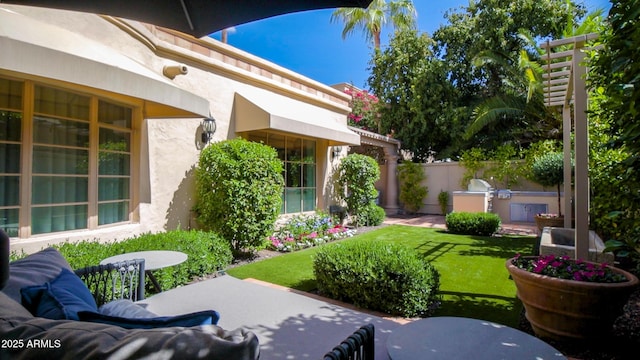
(473,279)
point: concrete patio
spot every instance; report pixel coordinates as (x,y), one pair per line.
(289,325)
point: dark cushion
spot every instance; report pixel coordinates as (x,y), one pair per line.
(35,269)
(209,317)
(61,298)
(10,308)
(125,308)
(69,339)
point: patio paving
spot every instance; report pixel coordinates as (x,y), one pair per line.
(289,325)
(437,221)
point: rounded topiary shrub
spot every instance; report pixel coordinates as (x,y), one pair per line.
(469,223)
(239,186)
(371,215)
(378,276)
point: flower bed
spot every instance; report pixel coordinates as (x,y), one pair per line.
(303,231)
(563,267)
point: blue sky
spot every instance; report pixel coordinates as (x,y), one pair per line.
(310,44)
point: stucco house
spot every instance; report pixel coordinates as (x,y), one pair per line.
(101,124)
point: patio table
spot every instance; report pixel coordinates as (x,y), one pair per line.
(153,260)
(463,338)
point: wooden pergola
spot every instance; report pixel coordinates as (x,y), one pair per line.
(565,86)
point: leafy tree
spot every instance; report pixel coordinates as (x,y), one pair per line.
(548,170)
(239,185)
(492,30)
(615,76)
(495,25)
(472,160)
(413,90)
(519,106)
(401,13)
(358,175)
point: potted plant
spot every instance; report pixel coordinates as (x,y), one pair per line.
(567,299)
(548,170)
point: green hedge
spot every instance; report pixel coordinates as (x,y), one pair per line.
(468,223)
(207,253)
(371,215)
(378,276)
(239,185)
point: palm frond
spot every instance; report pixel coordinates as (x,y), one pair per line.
(493,110)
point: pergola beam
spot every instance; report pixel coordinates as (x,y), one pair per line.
(565,86)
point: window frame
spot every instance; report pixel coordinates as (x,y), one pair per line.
(27,144)
(265,137)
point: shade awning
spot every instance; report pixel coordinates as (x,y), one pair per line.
(195,17)
(43,50)
(264,110)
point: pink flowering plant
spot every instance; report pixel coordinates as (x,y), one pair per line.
(364,109)
(563,267)
(303,231)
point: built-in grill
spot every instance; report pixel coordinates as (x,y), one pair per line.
(477,198)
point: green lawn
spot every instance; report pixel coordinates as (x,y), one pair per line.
(473,279)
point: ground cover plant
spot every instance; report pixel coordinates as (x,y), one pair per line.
(473,279)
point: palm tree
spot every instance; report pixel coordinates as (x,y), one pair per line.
(401,13)
(523,96)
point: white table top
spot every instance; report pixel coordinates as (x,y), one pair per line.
(153,259)
(451,338)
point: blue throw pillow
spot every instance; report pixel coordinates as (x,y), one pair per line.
(61,298)
(209,317)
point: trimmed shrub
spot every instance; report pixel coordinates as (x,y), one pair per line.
(371,215)
(412,193)
(206,252)
(358,175)
(378,276)
(443,201)
(239,186)
(468,223)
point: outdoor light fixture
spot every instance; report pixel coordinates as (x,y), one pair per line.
(336,152)
(209,127)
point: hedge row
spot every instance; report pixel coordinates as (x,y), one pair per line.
(378,276)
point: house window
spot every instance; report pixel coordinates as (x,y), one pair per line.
(77,165)
(11,94)
(299,159)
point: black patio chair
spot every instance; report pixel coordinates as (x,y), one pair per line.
(120,280)
(358,346)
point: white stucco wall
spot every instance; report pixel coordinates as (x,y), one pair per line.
(170,147)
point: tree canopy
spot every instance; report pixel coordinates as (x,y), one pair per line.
(413,91)
(432,89)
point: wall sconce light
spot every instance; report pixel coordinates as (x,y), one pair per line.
(335,152)
(209,127)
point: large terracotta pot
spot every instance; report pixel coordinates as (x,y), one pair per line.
(563,310)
